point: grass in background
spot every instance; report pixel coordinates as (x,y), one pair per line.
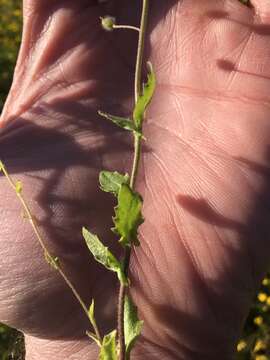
(10,35)
(255,341)
(11,344)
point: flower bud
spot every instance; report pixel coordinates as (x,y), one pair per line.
(108,22)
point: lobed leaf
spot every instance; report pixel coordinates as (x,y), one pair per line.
(132,325)
(102,254)
(108,349)
(128,216)
(145,98)
(112,181)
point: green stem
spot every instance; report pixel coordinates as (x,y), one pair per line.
(140,51)
(135,166)
(51,259)
(127,27)
(136,160)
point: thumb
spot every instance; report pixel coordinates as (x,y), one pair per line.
(51,29)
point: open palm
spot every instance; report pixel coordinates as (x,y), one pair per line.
(204,173)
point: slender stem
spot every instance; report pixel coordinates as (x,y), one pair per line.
(140,51)
(52,260)
(121,303)
(137,154)
(135,166)
(120,323)
(79,299)
(129,27)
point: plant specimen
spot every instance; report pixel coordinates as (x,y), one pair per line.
(128,213)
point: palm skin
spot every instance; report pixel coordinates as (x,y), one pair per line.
(203,175)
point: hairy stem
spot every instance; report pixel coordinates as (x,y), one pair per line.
(135,166)
(51,259)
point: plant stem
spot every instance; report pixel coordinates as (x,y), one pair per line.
(135,166)
(53,262)
(129,27)
(137,153)
(140,51)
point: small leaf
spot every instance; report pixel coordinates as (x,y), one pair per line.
(91,314)
(102,254)
(123,123)
(18,187)
(128,216)
(91,311)
(132,325)
(93,337)
(108,349)
(53,261)
(112,181)
(145,98)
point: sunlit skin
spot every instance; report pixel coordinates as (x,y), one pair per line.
(204,174)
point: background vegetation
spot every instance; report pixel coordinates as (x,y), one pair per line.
(255,341)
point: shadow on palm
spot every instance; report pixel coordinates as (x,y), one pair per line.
(57,145)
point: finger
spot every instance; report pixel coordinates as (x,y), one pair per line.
(50,29)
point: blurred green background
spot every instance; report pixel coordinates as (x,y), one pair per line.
(255,340)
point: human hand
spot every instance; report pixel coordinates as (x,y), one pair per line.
(204,174)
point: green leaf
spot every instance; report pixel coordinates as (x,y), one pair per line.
(112,181)
(91,314)
(18,187)
(145,98)
(102,254)
(53,261)
(128,216)
(132,325)
(93,337)
(108,349)
(123,123)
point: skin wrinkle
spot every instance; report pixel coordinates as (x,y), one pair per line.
(149,223)
(248,289)
(147,186)
(180,112)
(235,51)
(195,263)
(190,255)
(238,62)
(190,147)
(63,349)
(165,204)
(189,252)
